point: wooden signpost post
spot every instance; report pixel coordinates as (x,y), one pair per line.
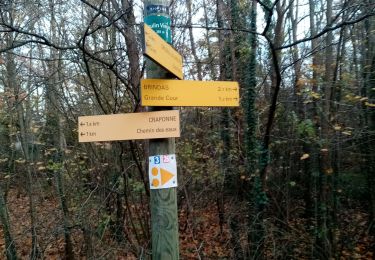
(161,124)
(164,217)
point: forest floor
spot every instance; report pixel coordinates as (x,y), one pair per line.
(200,234)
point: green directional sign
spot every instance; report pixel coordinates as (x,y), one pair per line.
(161,25)
(157,17)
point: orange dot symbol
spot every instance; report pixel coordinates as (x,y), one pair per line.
(155,171)
(155,182)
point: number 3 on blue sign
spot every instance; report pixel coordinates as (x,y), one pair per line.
(156,160)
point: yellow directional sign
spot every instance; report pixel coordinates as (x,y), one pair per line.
(162,53)
(163,92)
(147,125)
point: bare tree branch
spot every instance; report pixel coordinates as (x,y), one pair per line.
(326,30)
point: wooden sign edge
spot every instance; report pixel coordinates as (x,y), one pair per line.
(155,61)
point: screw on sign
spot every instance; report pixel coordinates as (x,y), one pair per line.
(163,171)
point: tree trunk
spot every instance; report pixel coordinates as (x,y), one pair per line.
(230,178)
(325,204)
(260,179)
(131,45)
(197,61)
(254,232)
(55,134)
(10,247)
(368,117)
(211,60)
(11,82)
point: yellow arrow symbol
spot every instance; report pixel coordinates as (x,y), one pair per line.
(165,176)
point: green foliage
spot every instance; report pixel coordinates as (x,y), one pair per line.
(54,166)
(195,160)
(306,129)
(135,185)
(244,51)
(264,157)
(261,198)
(200,143)
(102,226)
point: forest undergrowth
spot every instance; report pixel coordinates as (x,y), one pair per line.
(201,236)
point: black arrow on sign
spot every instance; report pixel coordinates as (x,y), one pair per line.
(82,124)
(82,134)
